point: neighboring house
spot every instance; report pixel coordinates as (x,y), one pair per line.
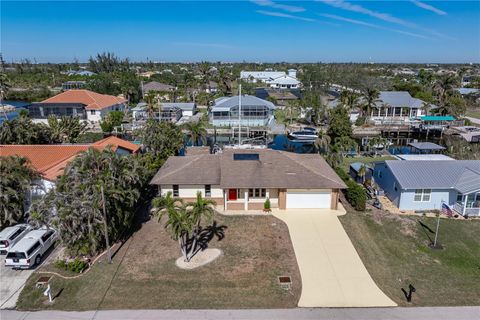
(79,73)
(469,133)
(426,184)
(69,85)
(170,111)
(50,160)
(284,82)
(275,79)
(396,106)
(212,87)
(188,108)
(84,104)
(244,179)
(156,86)
(255,112)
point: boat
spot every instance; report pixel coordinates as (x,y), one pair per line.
(303,135)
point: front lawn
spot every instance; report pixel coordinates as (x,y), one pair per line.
(395,251)
(256,251)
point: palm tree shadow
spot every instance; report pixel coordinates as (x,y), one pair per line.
(208,234)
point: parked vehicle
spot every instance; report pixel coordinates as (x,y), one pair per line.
(11,235)
(29,251)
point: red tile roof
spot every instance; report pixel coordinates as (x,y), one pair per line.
(92,100)
(51,160)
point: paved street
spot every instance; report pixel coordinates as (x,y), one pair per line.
(441,313)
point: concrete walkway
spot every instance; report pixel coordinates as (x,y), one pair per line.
(332,273)
(430,313)
(474,120)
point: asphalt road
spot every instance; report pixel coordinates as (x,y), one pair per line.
(435,313)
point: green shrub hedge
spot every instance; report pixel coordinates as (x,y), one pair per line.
(77,265)
(355,193)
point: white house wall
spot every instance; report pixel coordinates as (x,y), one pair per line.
(436,197)
(190,191)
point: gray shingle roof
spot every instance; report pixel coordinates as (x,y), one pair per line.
(275,169)
(157,86)
(461,175)
(185,106)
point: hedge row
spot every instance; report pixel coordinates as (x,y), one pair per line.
(355,193)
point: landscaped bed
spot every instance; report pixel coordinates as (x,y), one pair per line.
(395,251)
(143,275)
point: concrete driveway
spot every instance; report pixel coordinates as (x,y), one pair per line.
(332,273)
(11,284)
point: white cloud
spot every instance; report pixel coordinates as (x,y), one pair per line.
(341,4)
(428,7)
(284,15)
(271,4)
(371,25)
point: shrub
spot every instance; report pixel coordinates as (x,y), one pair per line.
(355,193)
(267,205)
(77,265)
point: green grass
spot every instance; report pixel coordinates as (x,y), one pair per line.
(256,250)
(395,251)
(473,113)
(348,160)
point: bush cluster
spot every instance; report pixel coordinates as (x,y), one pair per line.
(355,193)
(77,265)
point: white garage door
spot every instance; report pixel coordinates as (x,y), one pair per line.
(308,199)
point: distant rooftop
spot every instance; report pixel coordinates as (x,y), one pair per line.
(426,146)
(431,157)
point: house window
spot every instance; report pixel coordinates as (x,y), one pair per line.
(422,195)
(459,197)
(257,193)
(208,190)
(92,112)
(175,190)
(240,193)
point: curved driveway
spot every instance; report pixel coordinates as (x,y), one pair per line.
(332,273)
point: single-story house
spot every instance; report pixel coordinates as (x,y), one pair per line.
(156,86)
(188,108)
(244,179)
(50,160)
(85,104)
(255,112)
(425,147)
(425,185)
(284,82)
(396,106)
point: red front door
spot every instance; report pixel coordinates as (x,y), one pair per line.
(232,194)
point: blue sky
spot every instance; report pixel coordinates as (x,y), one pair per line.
(262,30)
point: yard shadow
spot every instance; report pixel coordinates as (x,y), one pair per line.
(210,232)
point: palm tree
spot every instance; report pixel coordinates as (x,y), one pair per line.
(204,70)
(67,129)
(362,172)
(184,221)
(370,96)
(197,131)
(151,99)
(443,87)
(345,144)
(322,142)
(15,181)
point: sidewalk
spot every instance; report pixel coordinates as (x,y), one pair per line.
(427,313)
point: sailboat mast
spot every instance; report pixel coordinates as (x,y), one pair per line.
(239,115)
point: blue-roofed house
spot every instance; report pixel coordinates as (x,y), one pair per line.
(396,106)
(255,112)
(425,185)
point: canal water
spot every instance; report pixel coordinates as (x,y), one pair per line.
(12,115)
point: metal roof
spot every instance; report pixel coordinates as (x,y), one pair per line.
(437,118)
(461,175)
(185,106)
(398,99)
(226,103)
(424,157)
(426,146)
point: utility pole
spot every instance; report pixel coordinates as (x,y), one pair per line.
(109,254)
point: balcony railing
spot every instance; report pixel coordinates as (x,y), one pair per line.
(469,211)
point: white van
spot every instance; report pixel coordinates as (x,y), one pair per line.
(11,235)
(29,251)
